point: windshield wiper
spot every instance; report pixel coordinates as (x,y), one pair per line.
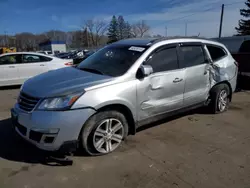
(91,70)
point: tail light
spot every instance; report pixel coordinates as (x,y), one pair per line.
(68,64)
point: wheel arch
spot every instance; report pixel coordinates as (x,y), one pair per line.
(124,109)
(228,84)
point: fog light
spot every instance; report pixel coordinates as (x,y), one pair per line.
(46,131)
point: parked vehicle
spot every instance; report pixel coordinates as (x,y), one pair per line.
(79,59)
(243,58)
(63,55)
(17,67)
(71,55)
(125,85)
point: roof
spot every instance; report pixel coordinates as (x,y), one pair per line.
(31,53)
(233,38)
(136,41)
(49,42)
(151,41)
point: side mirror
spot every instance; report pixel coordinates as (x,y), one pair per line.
(144,71)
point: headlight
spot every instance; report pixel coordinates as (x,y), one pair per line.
(59,103)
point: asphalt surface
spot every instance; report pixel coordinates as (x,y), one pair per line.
(192,150)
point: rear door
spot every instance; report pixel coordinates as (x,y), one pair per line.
(162,91)
(197,83)
(9,69)
(32,65)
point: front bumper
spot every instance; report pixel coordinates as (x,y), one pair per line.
(50,130)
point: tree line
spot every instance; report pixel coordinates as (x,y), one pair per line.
(244,24)
(91,34)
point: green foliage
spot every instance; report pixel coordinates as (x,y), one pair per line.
(244,25)
(127,31)
(113,30)
(122,28)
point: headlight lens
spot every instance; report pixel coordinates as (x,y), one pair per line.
(59,103)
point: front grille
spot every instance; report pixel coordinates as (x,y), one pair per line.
(27,102)
(35,136)
(21,129)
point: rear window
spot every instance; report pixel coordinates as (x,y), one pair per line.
(30,58)
(245,47)
(215,52)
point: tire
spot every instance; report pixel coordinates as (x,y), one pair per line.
(218,93)
(96,139)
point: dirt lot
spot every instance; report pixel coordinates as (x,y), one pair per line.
(194,150)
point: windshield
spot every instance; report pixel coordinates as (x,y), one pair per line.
(113,60)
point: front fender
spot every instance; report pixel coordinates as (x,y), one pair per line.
(122,94)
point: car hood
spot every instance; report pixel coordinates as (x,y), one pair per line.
(62,82)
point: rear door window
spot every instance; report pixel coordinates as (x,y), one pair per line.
(30,58)
(191,55)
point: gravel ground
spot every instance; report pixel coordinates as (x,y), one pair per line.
(192,150)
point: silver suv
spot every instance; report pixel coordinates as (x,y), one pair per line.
(127,84)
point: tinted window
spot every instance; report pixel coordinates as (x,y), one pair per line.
(113,60)
(164,60)
(191,56)
(216,52)
(245,47)
(30,58)
(44,59)
(10,59)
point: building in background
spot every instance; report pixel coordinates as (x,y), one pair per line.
(53,46)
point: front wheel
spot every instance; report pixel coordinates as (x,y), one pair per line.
(104,132)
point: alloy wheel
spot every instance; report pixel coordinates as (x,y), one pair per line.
(108,135)
(223,100)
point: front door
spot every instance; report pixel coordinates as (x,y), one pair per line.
(9,69)
(162,91)
(197,83)
(32,65)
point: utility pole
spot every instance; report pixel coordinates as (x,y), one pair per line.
(166,31)
(221,19)
(186,29)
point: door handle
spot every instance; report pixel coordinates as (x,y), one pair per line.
(11,66)
(42,65)
(177,80)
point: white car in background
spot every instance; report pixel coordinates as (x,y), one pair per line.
(17,67)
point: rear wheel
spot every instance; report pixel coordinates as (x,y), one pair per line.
(104,132)
(220,98)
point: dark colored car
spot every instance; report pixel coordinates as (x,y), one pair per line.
(243,57)
(78,60)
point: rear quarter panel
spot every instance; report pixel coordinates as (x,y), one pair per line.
(56,63)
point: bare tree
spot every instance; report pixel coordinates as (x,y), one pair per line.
(26,42)
(96,30)
(139,29)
